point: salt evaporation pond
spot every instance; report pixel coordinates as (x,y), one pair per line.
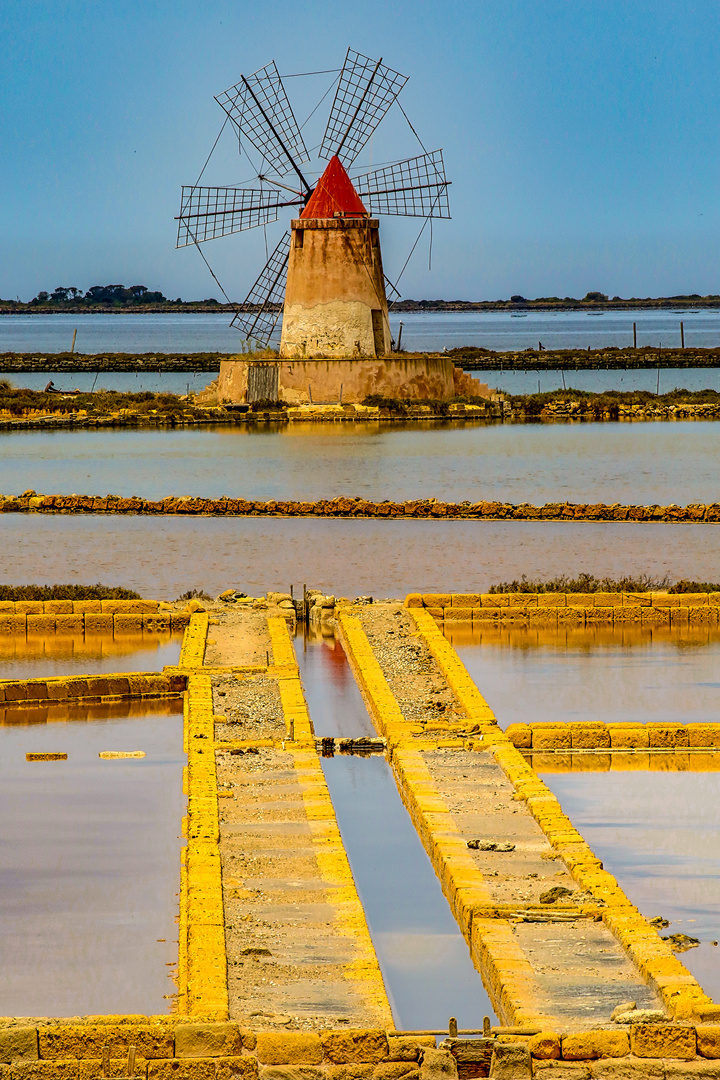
(671,462)
(91,860)
(38,656)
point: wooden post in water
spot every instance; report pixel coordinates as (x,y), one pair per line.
(634,335)
(72,347)
(682,335)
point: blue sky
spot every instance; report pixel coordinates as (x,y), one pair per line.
(581,139)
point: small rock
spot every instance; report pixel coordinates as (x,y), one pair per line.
(556,893)
(625,1007)
(490,845)
(641,1016)
(659,921)
(682,942)
(227,596)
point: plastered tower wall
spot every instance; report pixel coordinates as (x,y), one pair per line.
(335,303)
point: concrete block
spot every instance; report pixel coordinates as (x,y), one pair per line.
(437,599)
(689,1070)
(655,616)
(708,1040)
(600,614)
(552,599)
(580,599)
(7,607)
(663,1041)
(28,607)
(409,1047)
(40,624)
(312,1072)
(341,1047)
(87,607)
(208,1040)
(395,1070)
(494,600)
(87,1040)
(627,1068)
(571,614)
(69,624)
(669,600)
(414,600)
(127,624)
(628,614)
(458,614)
(18,1044)
(667,735)
(128,607)
(289,1048)
(465,600)
(637,599)
(595,1044)
(701,616)
(561,1070)
(236,1068)
(58,607)
(551,737)
(511,1061)
(545,1046)
(628,736)
(608,599)
(98,624)
(589,736)
(438,1065)
(704,735)
(520,735)
(195,1069)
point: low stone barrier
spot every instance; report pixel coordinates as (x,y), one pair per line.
(63,689)
(355,507)
(597,735)
(572,609)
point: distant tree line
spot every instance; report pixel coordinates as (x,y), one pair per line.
(101,294)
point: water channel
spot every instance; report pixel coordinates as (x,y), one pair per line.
(424,958)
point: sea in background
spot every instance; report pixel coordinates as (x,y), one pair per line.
(431,331)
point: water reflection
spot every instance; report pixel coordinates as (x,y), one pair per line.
(664,462)
(89,875)
(163,557)
(37,656)
(594,673)
(659,836)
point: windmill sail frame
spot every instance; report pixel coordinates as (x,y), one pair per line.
(260,310)
(366,89)
(209,212)
(416,187)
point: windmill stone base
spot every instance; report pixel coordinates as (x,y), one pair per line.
(333,381)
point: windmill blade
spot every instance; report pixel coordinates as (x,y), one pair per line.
(365,92)
(413,188)
(261,308)
(259,108)
(208,212)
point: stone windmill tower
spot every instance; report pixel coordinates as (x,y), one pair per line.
(335,302)
(326,273)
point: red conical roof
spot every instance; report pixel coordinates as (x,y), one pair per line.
(334,194)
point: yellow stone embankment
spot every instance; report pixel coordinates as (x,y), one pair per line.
(506,969)
(62,689)
(202,968)
(598,735)
(571,609)
(88,616)
(679,991)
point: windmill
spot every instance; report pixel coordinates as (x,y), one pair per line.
(327,269)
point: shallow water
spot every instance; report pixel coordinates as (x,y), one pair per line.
(636,463)
(39,656)
(498,330)
(90,869)
(424,959)
(613,675)
(163,557)
(658,834)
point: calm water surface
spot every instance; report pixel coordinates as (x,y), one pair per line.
(90,868)
(163,557)
(604,674)
(501,331)
(657,833)
(40,656)
(638,463)
(425,961)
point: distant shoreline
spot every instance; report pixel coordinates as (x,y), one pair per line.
(402,307)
